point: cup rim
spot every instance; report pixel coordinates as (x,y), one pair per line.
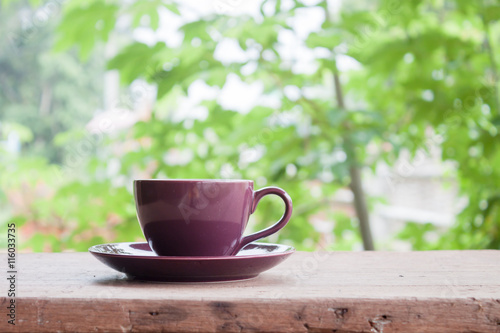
(195,180)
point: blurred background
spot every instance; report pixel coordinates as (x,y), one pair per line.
(379,118)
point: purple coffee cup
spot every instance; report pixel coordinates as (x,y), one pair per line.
(201,217)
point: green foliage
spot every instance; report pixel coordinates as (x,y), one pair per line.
(425,65)
(456,68)
(418,235)
(45,92)
(85,24)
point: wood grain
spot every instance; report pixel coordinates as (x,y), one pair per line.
(442,291)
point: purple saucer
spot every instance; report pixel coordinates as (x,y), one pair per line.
(137,260)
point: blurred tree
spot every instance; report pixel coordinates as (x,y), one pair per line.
(288,143)
(427,78)
(433,65)
(42,95)
(46,92)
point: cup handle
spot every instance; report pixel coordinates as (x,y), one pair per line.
(257,195)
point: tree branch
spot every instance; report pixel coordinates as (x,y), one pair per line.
(493,63)
(354,171)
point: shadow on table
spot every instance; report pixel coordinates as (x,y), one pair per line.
(123,280)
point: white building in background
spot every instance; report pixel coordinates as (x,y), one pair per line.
(420,190)
(11,137)
(13,143)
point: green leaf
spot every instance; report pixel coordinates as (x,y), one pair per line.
(173,8)
(491,13)
(84,26)
(327,39)
(148,9)
(195,29)
(137,60)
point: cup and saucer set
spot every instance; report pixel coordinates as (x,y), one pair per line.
(194,231)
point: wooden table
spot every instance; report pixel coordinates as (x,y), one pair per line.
(446,291)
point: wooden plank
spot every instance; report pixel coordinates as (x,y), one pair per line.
(442,291)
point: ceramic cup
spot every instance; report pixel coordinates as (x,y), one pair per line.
(197,217)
